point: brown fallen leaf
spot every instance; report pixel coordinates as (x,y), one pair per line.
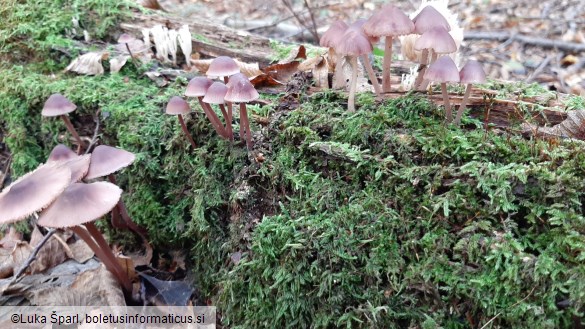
(116,63)
(572,127)
(10,238)
(88,64)
(295,54)
(80,251)
(51,254)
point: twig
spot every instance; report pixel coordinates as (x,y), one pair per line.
(5,173)
(534,41)
(315,33)
(299,19)
(518,302)
(95,132)
(286,18)
(32,256)
(539,69)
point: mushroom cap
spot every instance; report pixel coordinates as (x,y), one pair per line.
(33,192)
(216,93)
(438,39)
(472,72)
(57,104)
(79,166)
(106,160)
(354,43)
(389,21)
(61,152)
(442,70)
(177,105)
(197,87)
(81,203)
(125,38)
(240,90)
(333,34)
(222,66)
(428,18)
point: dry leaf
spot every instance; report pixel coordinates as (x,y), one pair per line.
(319,66)
(572,127)
(151,4)
(248,69)
(166,293)
(295,54)
(50,255)
(88,64)
(118,62)
(80,251)
(10,238)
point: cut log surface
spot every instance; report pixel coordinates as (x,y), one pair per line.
(210,39)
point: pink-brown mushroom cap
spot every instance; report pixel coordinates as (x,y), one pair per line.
(388,21)
(240,90)
(333,34)
(222,66)
(353,43)
(442,70)
(198,86)
(33,192)
(428,18)
(81,203)
(106,160)
(216,93)
(177,105)
(125,38)
(472,72)
(61,152)
(57,104)
(438,39)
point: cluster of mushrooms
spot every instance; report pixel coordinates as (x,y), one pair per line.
(235,88)
(432,42)
(66,192)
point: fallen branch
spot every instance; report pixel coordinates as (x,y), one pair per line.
(533,41)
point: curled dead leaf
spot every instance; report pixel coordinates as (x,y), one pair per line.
(88,64)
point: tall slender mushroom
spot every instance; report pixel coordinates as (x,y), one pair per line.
(178,106)
(472,72)
(354,43)
(59,105)
(240,90)
(329,39)
(438,41)
(389,22)
(215,95)
(197,87)
(224,66)
(81,204)
(444,70)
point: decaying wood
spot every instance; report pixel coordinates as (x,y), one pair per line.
(210,39)
(525,39)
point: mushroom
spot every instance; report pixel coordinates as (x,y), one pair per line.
(59,105)
(329,39)
(354,43)
(197,87)
(81,204)
(33,192)
(105,161)
(444,70)
(438,41)
(215,95)
(178,106)
(240,90)
(126,38)
(78,164)
(389,22)
(222,66)
(472,72)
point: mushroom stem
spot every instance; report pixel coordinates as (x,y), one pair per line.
(434,56)
(463,104)
(371,74)
(186,131)
(122,211)
(212,117)
(73,132)
(338,81)
(131,55)
(386,82)
(449,114)
(229,120)
(422,68)
(425,83)
(352,85)
(244,120)
(106,256)
(228,123)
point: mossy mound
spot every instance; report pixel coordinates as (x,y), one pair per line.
(381,218)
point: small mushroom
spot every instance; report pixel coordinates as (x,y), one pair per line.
(197,87)
(222,66)
(81,204)
(33,192)
(126,38)
(354,43)
(436,40)
(215,95)
(240,90)
(59,105)
(329,39)
(444,70)
(178,106)
(472,72)
(389,22)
